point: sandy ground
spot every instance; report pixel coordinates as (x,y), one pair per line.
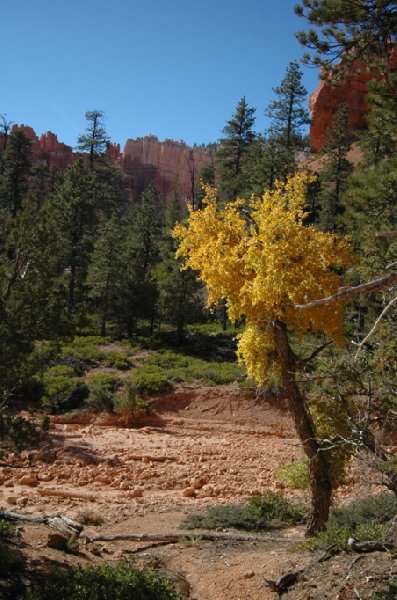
(215,441)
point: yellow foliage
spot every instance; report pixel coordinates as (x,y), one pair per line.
(263,260)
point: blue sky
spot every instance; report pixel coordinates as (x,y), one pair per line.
(172,68)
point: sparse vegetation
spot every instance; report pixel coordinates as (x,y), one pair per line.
(295,475)
(260,512)
(118,582)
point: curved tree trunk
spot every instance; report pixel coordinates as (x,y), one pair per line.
(320,484)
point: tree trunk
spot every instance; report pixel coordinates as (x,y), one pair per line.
(320,484)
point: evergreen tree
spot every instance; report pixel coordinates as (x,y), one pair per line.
(15,171)
(334,176)
(179,290)
(76,220)
(105,269)
(137,292)
(230,159)
(348,30)
(95,140)
(287,112)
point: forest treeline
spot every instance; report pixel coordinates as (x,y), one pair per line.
(76,257)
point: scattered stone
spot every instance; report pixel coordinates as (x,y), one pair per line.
(189,492)
(58,541)
(29,479)
(11,499)
(249,574)
(124,486)
(135,494)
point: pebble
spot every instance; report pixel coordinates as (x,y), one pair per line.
(189,492)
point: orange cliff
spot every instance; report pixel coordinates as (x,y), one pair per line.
(144,160)
(327,98)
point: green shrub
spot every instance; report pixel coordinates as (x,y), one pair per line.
(274,507)
(179,368)
(225,515)
(63,393)
(60,371)
(295,475)
(85,349)
(117,360)
(339,536)
(151,380)
(8,530)
(17,433)
(260,512)
(374,509)
(128,401)
(102,387)
(105,582)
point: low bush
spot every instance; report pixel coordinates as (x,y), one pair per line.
(102,387)
(8,530)
(151,380)
(179,368)
(17,433)
(339,536)
(390,593)
(272,506)
(260,512)
(63,392)
(128,402)
(105,582)
(117,360)
(371,510)
(295,475)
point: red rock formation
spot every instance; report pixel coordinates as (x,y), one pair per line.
(326,99)
(147,160)
(48,149)
(144,160)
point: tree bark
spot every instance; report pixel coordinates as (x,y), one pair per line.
(320,484)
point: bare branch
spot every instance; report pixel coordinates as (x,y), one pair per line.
(345,293)
(374,328)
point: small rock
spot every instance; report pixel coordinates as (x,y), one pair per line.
(189,492)
(11,499)
(135,494)
(124,486)
(58,541)
(249,574)
(29,479)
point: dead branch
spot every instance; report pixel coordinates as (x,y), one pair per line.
(284,582)
(345,293)
(58,522)
(60,494)
(384,312)
(370,546)
(174,538)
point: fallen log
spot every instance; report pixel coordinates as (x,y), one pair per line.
(370,546)
(58,522)
(174,538)
(60,494)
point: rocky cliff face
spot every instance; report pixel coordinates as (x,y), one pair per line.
(146,160)
(143,161)
(326,99)
(47,149)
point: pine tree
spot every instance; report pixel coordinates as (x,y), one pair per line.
(15,169)
(95,140)
(137,292)
(334,176)
(349,30)
(75,220)
(287,112)
(105,270)
(230,159)
(179,290)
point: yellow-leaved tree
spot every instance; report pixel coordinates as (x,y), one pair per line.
(264,261)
